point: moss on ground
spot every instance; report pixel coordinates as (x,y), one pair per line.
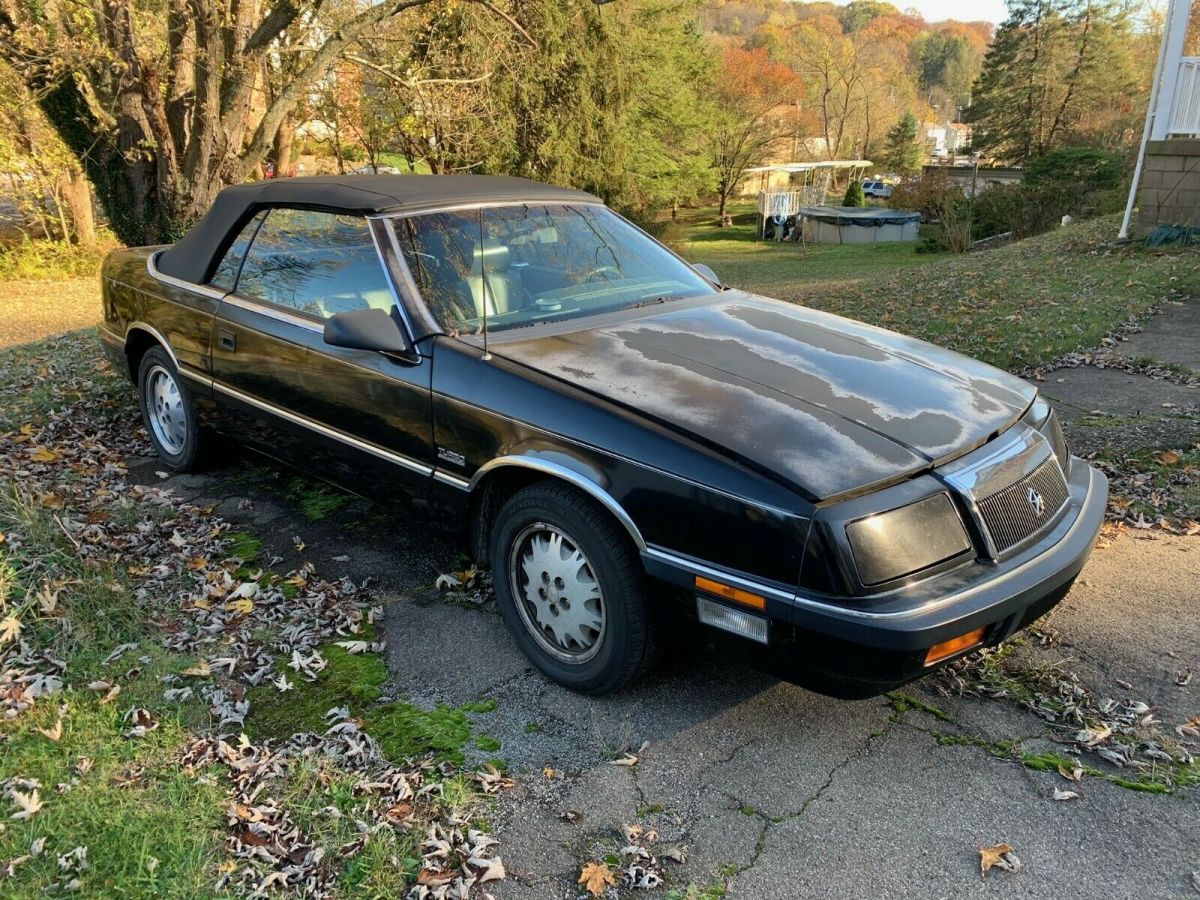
(902,703)
(400,728)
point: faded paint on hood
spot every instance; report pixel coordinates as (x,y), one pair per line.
(825,404)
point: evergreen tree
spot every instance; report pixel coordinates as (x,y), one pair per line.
(1052,65)
(854,195)
(611,101)
(903,150)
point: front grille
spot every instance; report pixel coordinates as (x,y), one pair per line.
(1012,514)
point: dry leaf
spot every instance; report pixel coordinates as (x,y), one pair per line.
(596,877)
(43,455)
(1000,856)
(200,670)
(487,869)
(1060,794)
(1092,737)
(1073,774)
(549,773)
(54,732)
(625,759)
(29,804)
(1168,457)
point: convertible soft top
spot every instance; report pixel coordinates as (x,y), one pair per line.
(197,253)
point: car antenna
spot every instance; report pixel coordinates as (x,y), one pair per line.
(484,283)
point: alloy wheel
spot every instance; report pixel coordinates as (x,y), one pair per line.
(558,595)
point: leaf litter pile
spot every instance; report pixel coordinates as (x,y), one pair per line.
(1145,753)
(71,521)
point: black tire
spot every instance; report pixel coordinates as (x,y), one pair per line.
(179,442)
(624,648)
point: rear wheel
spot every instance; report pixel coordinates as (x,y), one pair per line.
(167,411)
(570,588)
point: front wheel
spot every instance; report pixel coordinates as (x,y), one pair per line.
(570,589)
(167,411)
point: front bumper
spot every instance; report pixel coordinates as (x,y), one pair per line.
(857,652)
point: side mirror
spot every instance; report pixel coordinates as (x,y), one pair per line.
(707,273)
(367,329)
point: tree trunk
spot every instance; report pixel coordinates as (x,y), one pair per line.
(77,195)
(281,154)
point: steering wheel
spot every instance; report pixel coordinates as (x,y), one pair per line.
(595,273)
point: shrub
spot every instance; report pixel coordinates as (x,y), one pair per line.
(854,195)
(34,258)
(1082,169)
(928,195)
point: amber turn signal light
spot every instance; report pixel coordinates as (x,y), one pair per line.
(946,649)
(737,595)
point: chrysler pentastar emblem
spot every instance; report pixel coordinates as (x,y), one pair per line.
(1036,501)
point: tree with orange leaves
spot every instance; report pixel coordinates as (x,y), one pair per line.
(756,101)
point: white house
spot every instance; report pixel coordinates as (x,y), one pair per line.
(947,138)
(1166,183)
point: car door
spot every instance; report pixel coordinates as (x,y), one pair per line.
(357,417)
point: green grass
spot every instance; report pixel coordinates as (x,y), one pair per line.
(400,161)
(150,828)
(1018,305)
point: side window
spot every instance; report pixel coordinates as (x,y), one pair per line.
(225,277)
(442,251)
(315,263)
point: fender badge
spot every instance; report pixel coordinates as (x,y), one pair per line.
(451,457)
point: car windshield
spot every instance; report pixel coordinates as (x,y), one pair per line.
(520,266)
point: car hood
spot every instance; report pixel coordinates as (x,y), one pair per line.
(825,404)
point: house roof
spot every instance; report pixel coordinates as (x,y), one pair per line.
(198,252)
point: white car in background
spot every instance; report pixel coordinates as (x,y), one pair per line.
(881,190)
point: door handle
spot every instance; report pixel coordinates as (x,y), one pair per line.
(226,340)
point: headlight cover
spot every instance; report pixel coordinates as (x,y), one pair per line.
(890,545)
(1043,417)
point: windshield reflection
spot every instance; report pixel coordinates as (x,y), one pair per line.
(519,266)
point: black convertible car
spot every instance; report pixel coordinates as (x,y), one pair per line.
(639,452)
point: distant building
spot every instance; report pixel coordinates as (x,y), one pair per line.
(947,139)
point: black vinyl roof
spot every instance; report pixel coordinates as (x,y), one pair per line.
(198,252)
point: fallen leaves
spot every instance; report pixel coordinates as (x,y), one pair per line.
(54,732)
(596,878)
(173,563)
(43,455)
(141,722)
(28,804)
(1001,856)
